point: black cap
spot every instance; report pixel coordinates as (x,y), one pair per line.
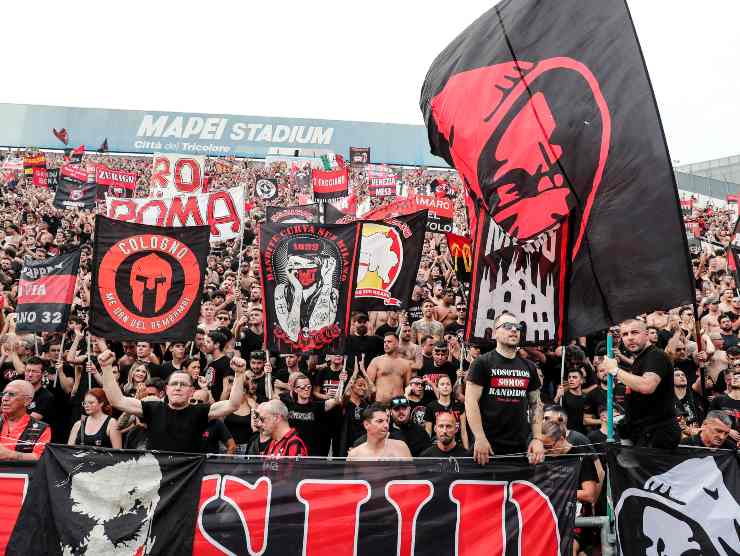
(399,401)
(258,355)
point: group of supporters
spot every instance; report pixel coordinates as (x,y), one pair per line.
(404,385)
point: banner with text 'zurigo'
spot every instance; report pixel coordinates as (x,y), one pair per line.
(272,507)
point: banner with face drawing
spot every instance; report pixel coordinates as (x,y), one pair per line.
(307,280)
(96,502)
(686,502)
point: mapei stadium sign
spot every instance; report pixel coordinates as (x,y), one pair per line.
(134,131)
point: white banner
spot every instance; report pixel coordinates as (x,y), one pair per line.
(222,210)
(177,174)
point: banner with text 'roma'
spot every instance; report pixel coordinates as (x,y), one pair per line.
(222,211)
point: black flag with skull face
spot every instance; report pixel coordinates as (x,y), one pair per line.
(95,502)
(307,281)
(685,502)
(147,280)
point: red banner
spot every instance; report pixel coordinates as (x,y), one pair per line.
(330,184)
(112,177)
(77,172)
(441,211)
(732,199)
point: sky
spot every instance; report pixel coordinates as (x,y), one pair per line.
(328,59)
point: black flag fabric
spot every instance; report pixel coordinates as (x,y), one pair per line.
(390,253)
(332,215)
(307,284)
(266,188)
(94,502)
(103,148)
(685,502)
(299,214)
(147,280)
(547,112)
(45,292)
(74,194)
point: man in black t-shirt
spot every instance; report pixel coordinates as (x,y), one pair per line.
(360,345)
(440,367)
(174,425)
(445,446)
(650,419)
(219,368)
(597,397)
(573,401)
(501,389)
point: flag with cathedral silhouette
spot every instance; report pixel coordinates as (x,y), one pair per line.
(147,280)
(546,111)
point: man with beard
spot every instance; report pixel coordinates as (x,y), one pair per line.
(361,347)
(501,388)
(385,321)
(650,419)
(729,338)
(406,346)
(714,433)
(730,403)
(446,446)
(218,369)
(252,335)
(683,400)
(175,425)
(389,373)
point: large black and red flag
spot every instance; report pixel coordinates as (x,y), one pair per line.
(299,214)
(330,184)
(307,284)
(147,280)
(45,292)
(390,253)
(91,501)
(427,507)
(547,112)
(74,192)
(686,501)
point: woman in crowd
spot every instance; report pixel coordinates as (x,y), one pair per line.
(138,374)
(239,423)
(96,427)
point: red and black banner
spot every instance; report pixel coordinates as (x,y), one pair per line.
(685,501)
(307,284)
(441,211)
(285,506)
(547,112)
(359,155)
(117,183)
(48,178)
(147,280)
(45,293)
(31,162)
(74,194)
(299,214)
(390,253)
(114,503)
(330,184)
(381,181)
(461,251)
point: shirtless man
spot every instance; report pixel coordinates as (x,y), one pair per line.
(710,321)
(407,347)
(378,446)
(389,373)
(426,325)
(446,312)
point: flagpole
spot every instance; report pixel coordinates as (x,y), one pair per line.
(59,359)
(610,392)
(89,359)
(562,364)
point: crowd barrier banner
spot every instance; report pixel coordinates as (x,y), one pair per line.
(686,502)
(222,210)
(283,507)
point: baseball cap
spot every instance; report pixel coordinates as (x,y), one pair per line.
(258,355)
(361,317)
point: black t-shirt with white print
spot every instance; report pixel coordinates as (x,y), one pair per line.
(504,401)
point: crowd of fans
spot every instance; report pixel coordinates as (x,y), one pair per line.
(413,362)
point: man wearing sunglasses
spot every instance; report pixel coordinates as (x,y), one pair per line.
(176,425)
(501,389)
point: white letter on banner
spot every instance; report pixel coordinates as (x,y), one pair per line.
(150,128)
(193,127)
